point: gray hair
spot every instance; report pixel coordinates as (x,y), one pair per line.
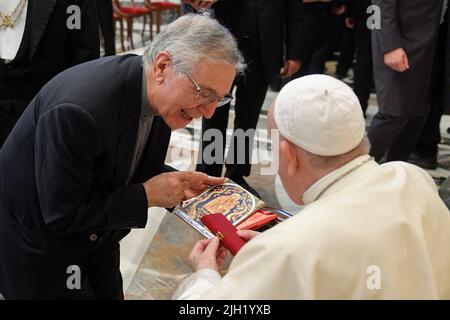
(193,37)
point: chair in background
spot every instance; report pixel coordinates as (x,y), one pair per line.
(161,6)
(134,11)
(119,16)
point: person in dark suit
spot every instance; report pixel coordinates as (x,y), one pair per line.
(346,47)
(426,150)
(106,21)
(321,34)
(403,53)
(44,48)
(269,35)
(356,19)
(86,159)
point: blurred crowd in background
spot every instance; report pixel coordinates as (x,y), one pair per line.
(398,50)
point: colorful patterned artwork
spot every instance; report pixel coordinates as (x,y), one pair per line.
(234,202)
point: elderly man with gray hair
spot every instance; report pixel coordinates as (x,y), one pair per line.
(86,159)
(367,231)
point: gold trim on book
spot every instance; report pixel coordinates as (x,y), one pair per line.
(219,235)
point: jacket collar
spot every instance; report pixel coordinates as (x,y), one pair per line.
(41,13)
(128,121)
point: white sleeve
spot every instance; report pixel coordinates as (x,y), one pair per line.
(197,284)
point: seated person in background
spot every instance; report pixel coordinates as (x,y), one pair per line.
(367,231)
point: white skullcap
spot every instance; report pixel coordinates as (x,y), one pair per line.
(320,114)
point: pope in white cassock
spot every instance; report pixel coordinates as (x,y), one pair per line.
(367,231)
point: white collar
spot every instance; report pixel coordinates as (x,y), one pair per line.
(323,184)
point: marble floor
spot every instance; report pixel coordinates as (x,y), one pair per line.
(154,259)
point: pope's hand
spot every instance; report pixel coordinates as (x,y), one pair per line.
(247,235)
(169,189)
(207,254)
(397,60)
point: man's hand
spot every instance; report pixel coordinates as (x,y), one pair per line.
(207,254)
(290,67)
(168,189)
(339,10)
(349,23)
(397,60)
(198,4)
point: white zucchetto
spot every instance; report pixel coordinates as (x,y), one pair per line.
(320,114)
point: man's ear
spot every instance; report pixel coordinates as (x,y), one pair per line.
(162,61)
(289,153)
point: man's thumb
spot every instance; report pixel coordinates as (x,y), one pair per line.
(406,61)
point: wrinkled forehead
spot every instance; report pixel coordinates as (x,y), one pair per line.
(214,77)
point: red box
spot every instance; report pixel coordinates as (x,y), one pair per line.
(224,230)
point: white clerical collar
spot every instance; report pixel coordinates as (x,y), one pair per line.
(322,185)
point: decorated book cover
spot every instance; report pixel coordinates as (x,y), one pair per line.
(229,199)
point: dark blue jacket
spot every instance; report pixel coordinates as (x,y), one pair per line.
(64,171)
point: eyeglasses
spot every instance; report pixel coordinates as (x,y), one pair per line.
(205,97)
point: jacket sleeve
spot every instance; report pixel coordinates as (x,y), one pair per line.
(85,42)
(390,37)
(294,29)
(67,144)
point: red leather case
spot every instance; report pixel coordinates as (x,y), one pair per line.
(224,230)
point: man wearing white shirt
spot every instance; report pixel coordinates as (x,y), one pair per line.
(11,37)
(367,231)
(37,43)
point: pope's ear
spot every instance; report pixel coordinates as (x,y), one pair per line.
(289,153)
(162,61)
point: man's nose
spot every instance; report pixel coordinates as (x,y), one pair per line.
(208,110)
